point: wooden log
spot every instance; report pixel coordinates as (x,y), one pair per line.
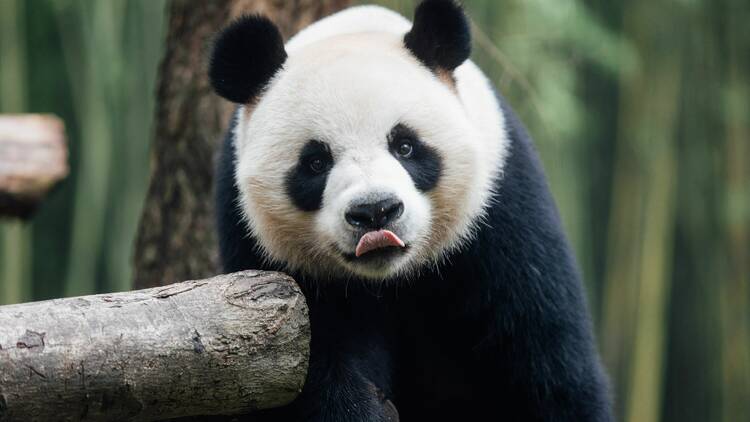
(33,158)
(221,346)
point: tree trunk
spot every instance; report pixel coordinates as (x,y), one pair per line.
(176,237)
(228,345)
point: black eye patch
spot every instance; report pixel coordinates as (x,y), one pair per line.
(306,181)
(422,162)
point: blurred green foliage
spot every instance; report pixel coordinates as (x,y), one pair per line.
(641,115)
(94,64)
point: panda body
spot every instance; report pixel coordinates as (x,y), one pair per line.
(479,311)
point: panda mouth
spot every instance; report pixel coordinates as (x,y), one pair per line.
(377,246)
(375,240)
(378,256)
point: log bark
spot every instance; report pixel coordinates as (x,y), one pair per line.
(33,158)
(222,346)
(176,239)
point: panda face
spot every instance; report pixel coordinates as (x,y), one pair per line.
(358,161)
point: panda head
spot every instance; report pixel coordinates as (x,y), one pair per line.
(354,154)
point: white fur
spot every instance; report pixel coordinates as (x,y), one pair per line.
(348,80)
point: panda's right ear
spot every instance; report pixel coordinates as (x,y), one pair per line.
(440,37)
(245,56)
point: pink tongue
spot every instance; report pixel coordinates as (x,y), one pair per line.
(377,240)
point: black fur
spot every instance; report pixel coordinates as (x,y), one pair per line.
(245,57)
(440,37)
(424,165)
(305,186)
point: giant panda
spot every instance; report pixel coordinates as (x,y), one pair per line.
(371,160)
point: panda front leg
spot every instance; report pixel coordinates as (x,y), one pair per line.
(337,392)
(342,388)
(350,370)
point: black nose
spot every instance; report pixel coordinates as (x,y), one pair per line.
(374,215)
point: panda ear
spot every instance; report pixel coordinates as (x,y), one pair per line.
(245,56)
(440,36)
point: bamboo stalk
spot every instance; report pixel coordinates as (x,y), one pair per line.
(142,45)
(645,397)
(735,290)
(91,80)
(638,269)
(620,284)
(16,259)
(657,86)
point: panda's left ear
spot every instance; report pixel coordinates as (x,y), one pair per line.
(246,55)
(440,36)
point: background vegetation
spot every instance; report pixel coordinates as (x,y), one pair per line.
(641,115)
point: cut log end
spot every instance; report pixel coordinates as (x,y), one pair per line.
(33,158)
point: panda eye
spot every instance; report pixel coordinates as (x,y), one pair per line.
(318,165)
(405,148)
